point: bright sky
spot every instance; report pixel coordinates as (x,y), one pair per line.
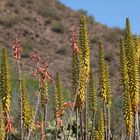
(110,12)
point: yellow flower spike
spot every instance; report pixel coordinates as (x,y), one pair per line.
(5,83)
(92,93)
(27,109)
(128,114)
(100,124)
(44,94)
(2,130)
(84,62)
(133,65)
(84,44)
(59,93)
(104,80)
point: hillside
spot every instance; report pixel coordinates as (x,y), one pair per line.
(43,25)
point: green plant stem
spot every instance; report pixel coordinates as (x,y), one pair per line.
(105,120)
(93,125)
(81,125)
(36,108)
(20,98)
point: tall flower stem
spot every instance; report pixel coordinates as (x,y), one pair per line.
(81,125)
(93,125)
(36,108)
(20,98)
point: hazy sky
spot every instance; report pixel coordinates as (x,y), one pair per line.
(110,12)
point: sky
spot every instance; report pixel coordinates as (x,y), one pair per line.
(110,12)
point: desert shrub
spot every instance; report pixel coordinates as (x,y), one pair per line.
(91,19)
(14,4)
(114,35)
(82,12)
(9,21)
(95,40)
(48,12)
(30,1)
(27,47)
(11,3)
(58,27)
(61,6)
(29,18)
(62,51)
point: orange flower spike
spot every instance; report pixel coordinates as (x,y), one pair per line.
(68,105)
(40,69)
(59,122)
(44,137)
(45,75)
(9,125)
(59,112)
(17,49)
(74,45)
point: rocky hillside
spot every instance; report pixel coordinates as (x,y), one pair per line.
(43,25)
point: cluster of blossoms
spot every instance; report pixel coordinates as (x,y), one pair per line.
(59,121)
(17,49)
(9,125)
(68,105)
(41,70)
(74,45)
(40,126)
(43,73)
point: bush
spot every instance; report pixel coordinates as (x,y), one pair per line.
(58,27)
(48,12)
(14,4)
(62,51)
(29,18)
(27,47)
(82,12)
(95,40)
(9,21)
(30,1)
(91,19)
(11,3)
